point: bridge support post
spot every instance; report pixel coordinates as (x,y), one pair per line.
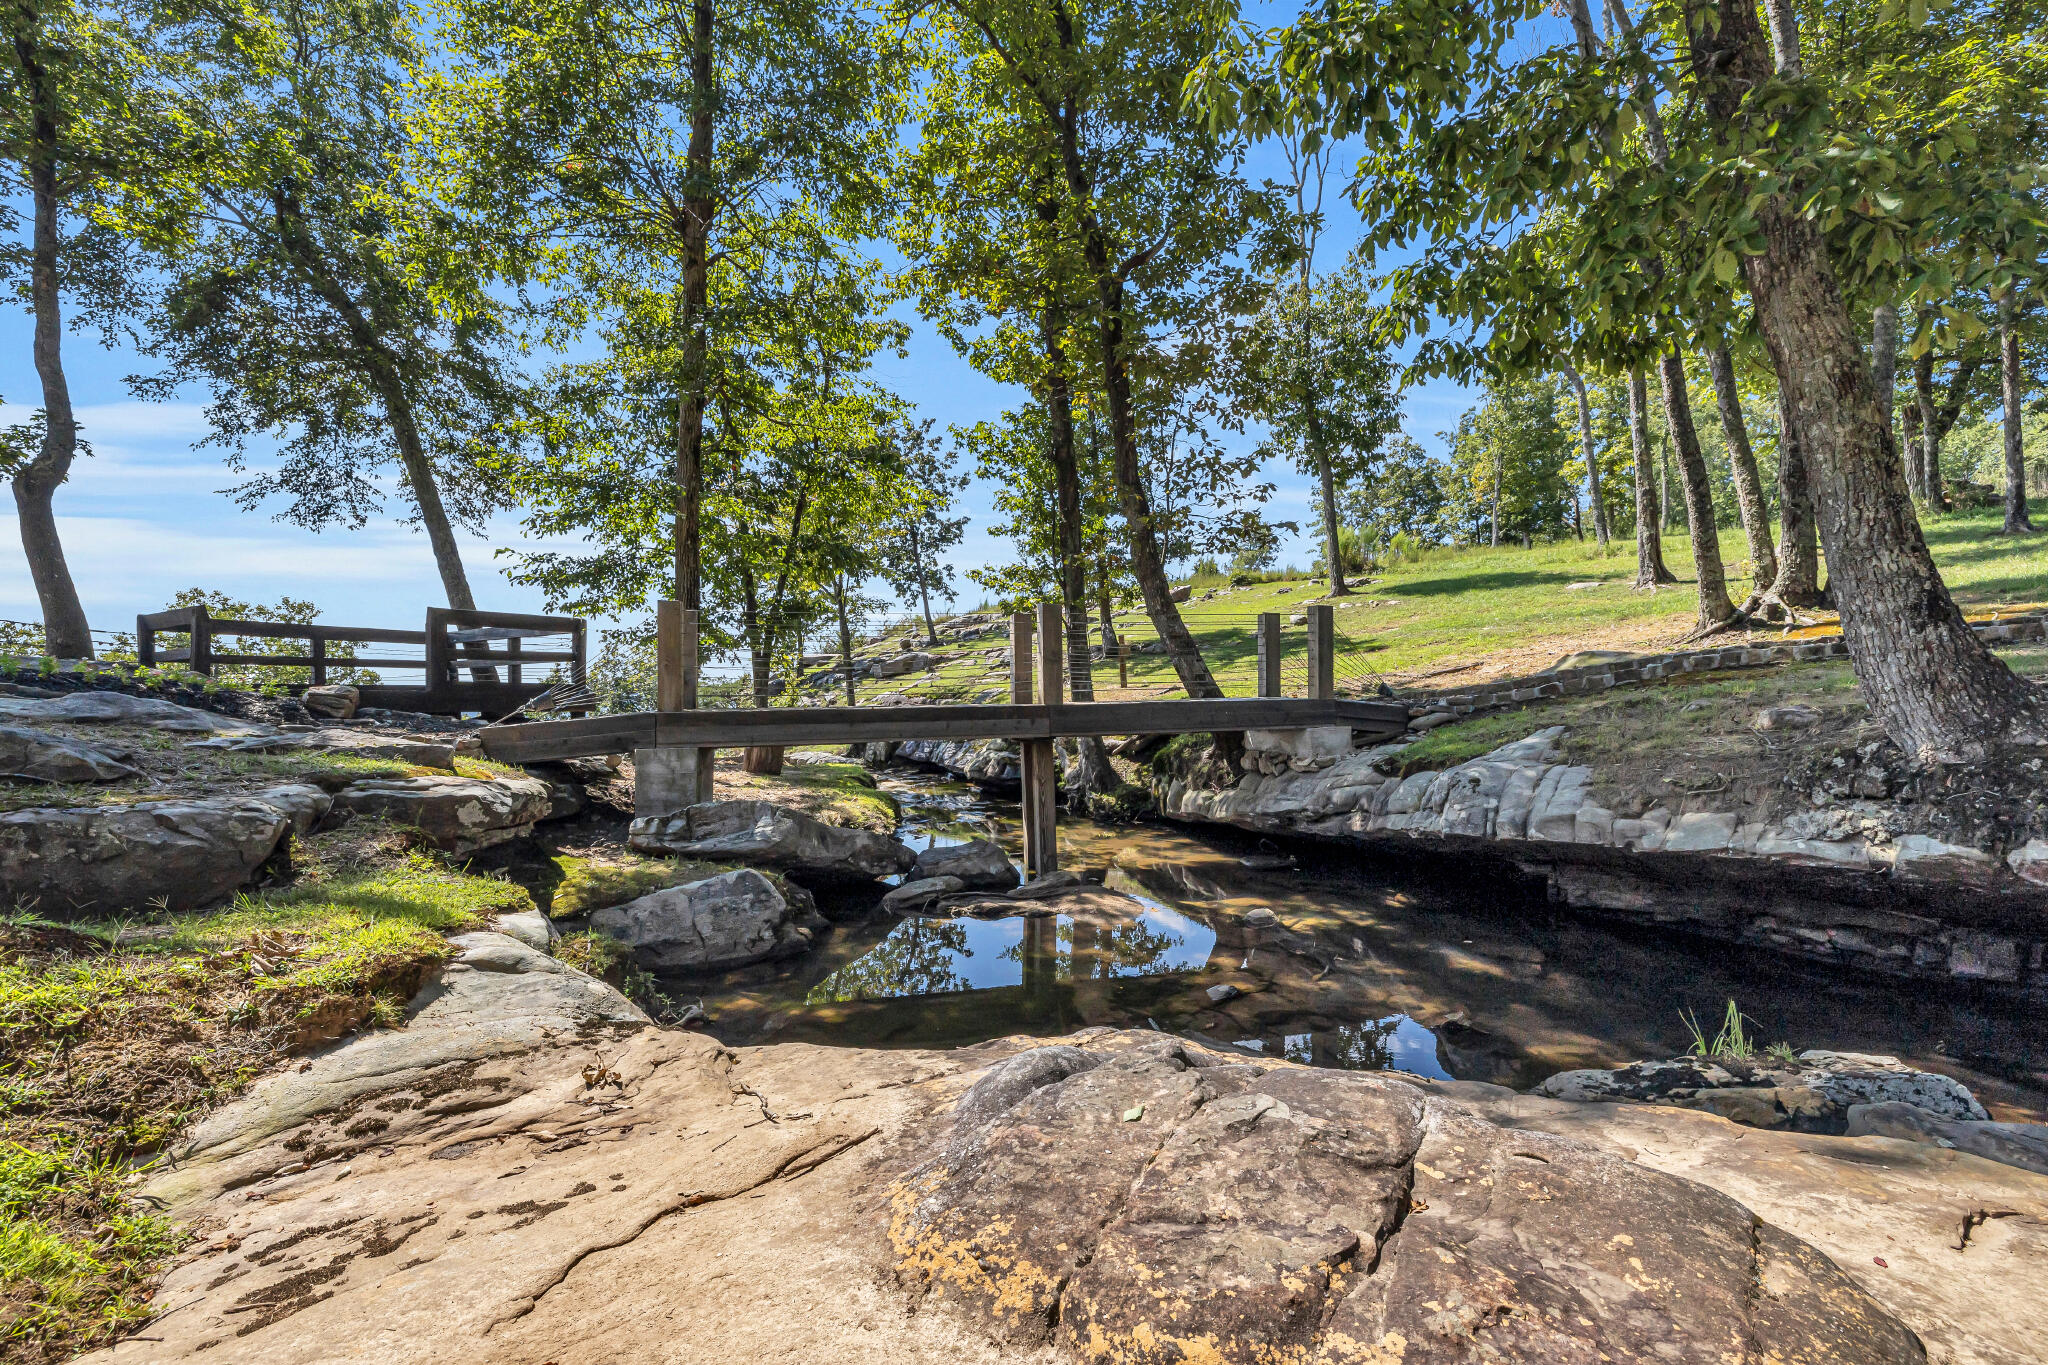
(1038,763)
(668,778)
(1322,651)
(1269,654)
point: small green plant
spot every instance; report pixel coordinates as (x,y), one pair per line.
(48,665)
(1733,1041)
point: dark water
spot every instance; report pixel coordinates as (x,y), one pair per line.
(1378,966)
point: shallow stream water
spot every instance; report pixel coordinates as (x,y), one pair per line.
(1380,965)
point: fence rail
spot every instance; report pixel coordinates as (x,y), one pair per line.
(469,660)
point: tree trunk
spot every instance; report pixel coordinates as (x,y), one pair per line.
(1333,550)
(1913,447)
(1499,472)
(66,634)
(1071,564)
(2016,519)
(1148,564)
(1940,693)
(1650,570)
(1715,607)
(845,640)
(419,477)
(1884,363)
(694,230)
(1749,490)
(1798,580)
(1578,384)
(924,596)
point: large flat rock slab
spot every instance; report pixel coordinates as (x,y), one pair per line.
(118,708)
(650,1195)
(175,855)
(1953,1244)
(39,756)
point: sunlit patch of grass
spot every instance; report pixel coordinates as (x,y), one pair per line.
(587,884)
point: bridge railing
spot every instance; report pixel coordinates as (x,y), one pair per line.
(482,661)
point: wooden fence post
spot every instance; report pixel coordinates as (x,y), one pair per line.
(145,642)
(1322,651)
(438,673)
(202,642)
(1040,798)
(667,778)
(319,644)
(1269,654)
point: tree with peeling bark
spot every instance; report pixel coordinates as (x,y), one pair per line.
(295,297)
(597,151)
(1469,129)
(84,117)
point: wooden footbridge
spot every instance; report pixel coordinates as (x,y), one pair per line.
(673,745)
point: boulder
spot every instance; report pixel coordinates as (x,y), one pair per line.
(1789,717)
(978,864)
(400,748)
(456,814)
(1813,1093)
(2024,1145)
(2029,862)
(762,834)
(118,708)
(1156,1202)
(336,701)
(174,855)
(39,756)
(529,927)
(913,896)
(897,665)
(724,921)
(1180,594)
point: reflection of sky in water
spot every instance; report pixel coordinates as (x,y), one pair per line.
(1394,1043)
(939,956)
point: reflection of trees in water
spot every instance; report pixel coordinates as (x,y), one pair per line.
(1088,950)
(1365,1046)
(919,957)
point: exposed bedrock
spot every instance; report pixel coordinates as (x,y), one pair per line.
(1852,884)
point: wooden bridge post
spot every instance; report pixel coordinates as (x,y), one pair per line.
(1322,651)
(667,778)
(1041,766)
(1269,654)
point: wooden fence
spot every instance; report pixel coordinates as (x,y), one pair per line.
(470,660)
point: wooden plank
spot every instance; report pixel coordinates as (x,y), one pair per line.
(1322,650)
(540,740)
(668,655)
(306,660)
(1052,653)
(1020,657)
(1269,654)
(455,616)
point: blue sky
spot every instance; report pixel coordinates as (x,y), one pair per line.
(144,516)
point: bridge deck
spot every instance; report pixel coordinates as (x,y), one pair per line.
(554,739)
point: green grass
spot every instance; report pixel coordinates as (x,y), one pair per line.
(114,1036)
(1509,608)
(580,885)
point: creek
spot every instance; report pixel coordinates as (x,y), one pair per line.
(1464,973)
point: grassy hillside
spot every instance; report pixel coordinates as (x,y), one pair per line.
(1460,616)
